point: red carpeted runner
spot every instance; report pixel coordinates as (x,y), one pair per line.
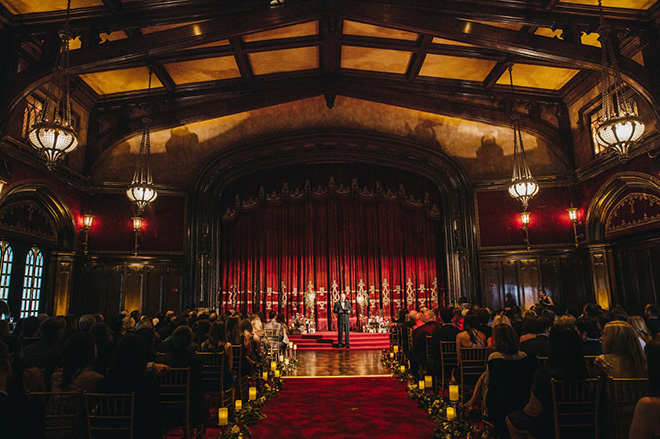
(337,408)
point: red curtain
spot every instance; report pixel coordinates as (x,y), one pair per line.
(382,251)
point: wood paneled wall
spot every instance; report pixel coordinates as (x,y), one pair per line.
(637,273)
(110,285)
(514,278)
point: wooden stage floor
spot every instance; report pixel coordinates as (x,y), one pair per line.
(339,363)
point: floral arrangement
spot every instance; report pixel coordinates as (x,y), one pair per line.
(251,413)
(298,320)
(236,431)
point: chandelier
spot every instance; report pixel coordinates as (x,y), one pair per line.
(523,186)
(53,134)
(619,125)
(142,190)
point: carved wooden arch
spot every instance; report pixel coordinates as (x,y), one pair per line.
(609,193)
(59,212)
(453,186)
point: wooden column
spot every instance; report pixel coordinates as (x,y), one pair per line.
(602,273)
(63,264)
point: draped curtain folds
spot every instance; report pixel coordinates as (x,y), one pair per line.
(382,251)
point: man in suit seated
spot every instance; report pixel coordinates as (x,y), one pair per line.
(419,338)
(539,346)
(275,327)
(589,334)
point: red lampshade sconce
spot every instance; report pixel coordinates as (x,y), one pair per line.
(524,217)
(88,220)
(573,216)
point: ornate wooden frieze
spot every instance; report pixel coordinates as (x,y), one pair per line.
(27,218)
(633,212)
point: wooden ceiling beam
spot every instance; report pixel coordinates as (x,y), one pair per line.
(417,59)
(113,5)
(330,30)
(242,60)
(561,53)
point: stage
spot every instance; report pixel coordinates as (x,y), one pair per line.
(327,341)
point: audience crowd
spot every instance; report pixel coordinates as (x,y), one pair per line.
(122,355)
(530,348)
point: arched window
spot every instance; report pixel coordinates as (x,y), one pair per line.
(34,265)
(6,257)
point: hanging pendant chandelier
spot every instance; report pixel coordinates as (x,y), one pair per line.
(142,190)
(53,134)
(619,125)
(523,186)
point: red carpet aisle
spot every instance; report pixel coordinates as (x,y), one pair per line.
(339,408)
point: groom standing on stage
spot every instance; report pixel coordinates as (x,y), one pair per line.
(343,309)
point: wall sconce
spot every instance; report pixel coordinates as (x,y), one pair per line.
(88,219)
(573,215)
(524,217)
(137,228)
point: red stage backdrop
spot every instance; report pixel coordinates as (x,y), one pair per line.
(295,249)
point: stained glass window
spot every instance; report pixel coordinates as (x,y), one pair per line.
(34,265)
(6,257)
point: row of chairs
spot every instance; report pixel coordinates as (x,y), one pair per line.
(112,415)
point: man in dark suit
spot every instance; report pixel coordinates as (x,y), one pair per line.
(419,338)
(589,334)
(652,314)
(343,309)
(539,346)
(446,332)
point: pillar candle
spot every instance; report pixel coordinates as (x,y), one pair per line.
(223,416)
(403,369)
(281,358)
(277,373)
(453,392)
(428,381)
(238,405)
(265,375)
(290,345)
(421,385)
(451,413)
(391,354)
(295,347)
(252,393)
(395,348)
(273,365)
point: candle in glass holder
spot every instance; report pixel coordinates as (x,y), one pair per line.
(264,375)
(281,358)
(238,405)
(290,345)
(295,347)
(421,385)
(453,392)
(252,392)
(391,354)
(403,369)
(395,349)
(223,416)
(451,413)
(277,373)
(273,365)
(286,361)
(428,381)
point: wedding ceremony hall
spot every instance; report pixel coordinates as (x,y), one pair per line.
(330,219)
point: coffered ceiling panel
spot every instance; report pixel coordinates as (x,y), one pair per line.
(368,30)
(454,67)
(298,30)
(375,60)
(628,4)
(201,70)
(437,40)
(527,75)
(590,39)
(118,81)
(509,26)
(30,6)
(287,60)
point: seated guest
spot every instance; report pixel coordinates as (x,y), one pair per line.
(646,422)
(103,338)
(257,326)
(589,333)
(78,373)
(249,353)
(565,363)
(484,320)
(86,322)
(538,346)
(234,329)
(652,315)
(515,315)
(622,355)
(499,319)
(419,338)
(47,353)
(528,326)
(217,342)
(29,332)
(272,325)
(182,357)
(642,331)
(25,379)
(128,375)
(471,337)
(285,332)
(19,417)
(619,313)
(202,328)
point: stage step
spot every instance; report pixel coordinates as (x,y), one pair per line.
(323,341)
